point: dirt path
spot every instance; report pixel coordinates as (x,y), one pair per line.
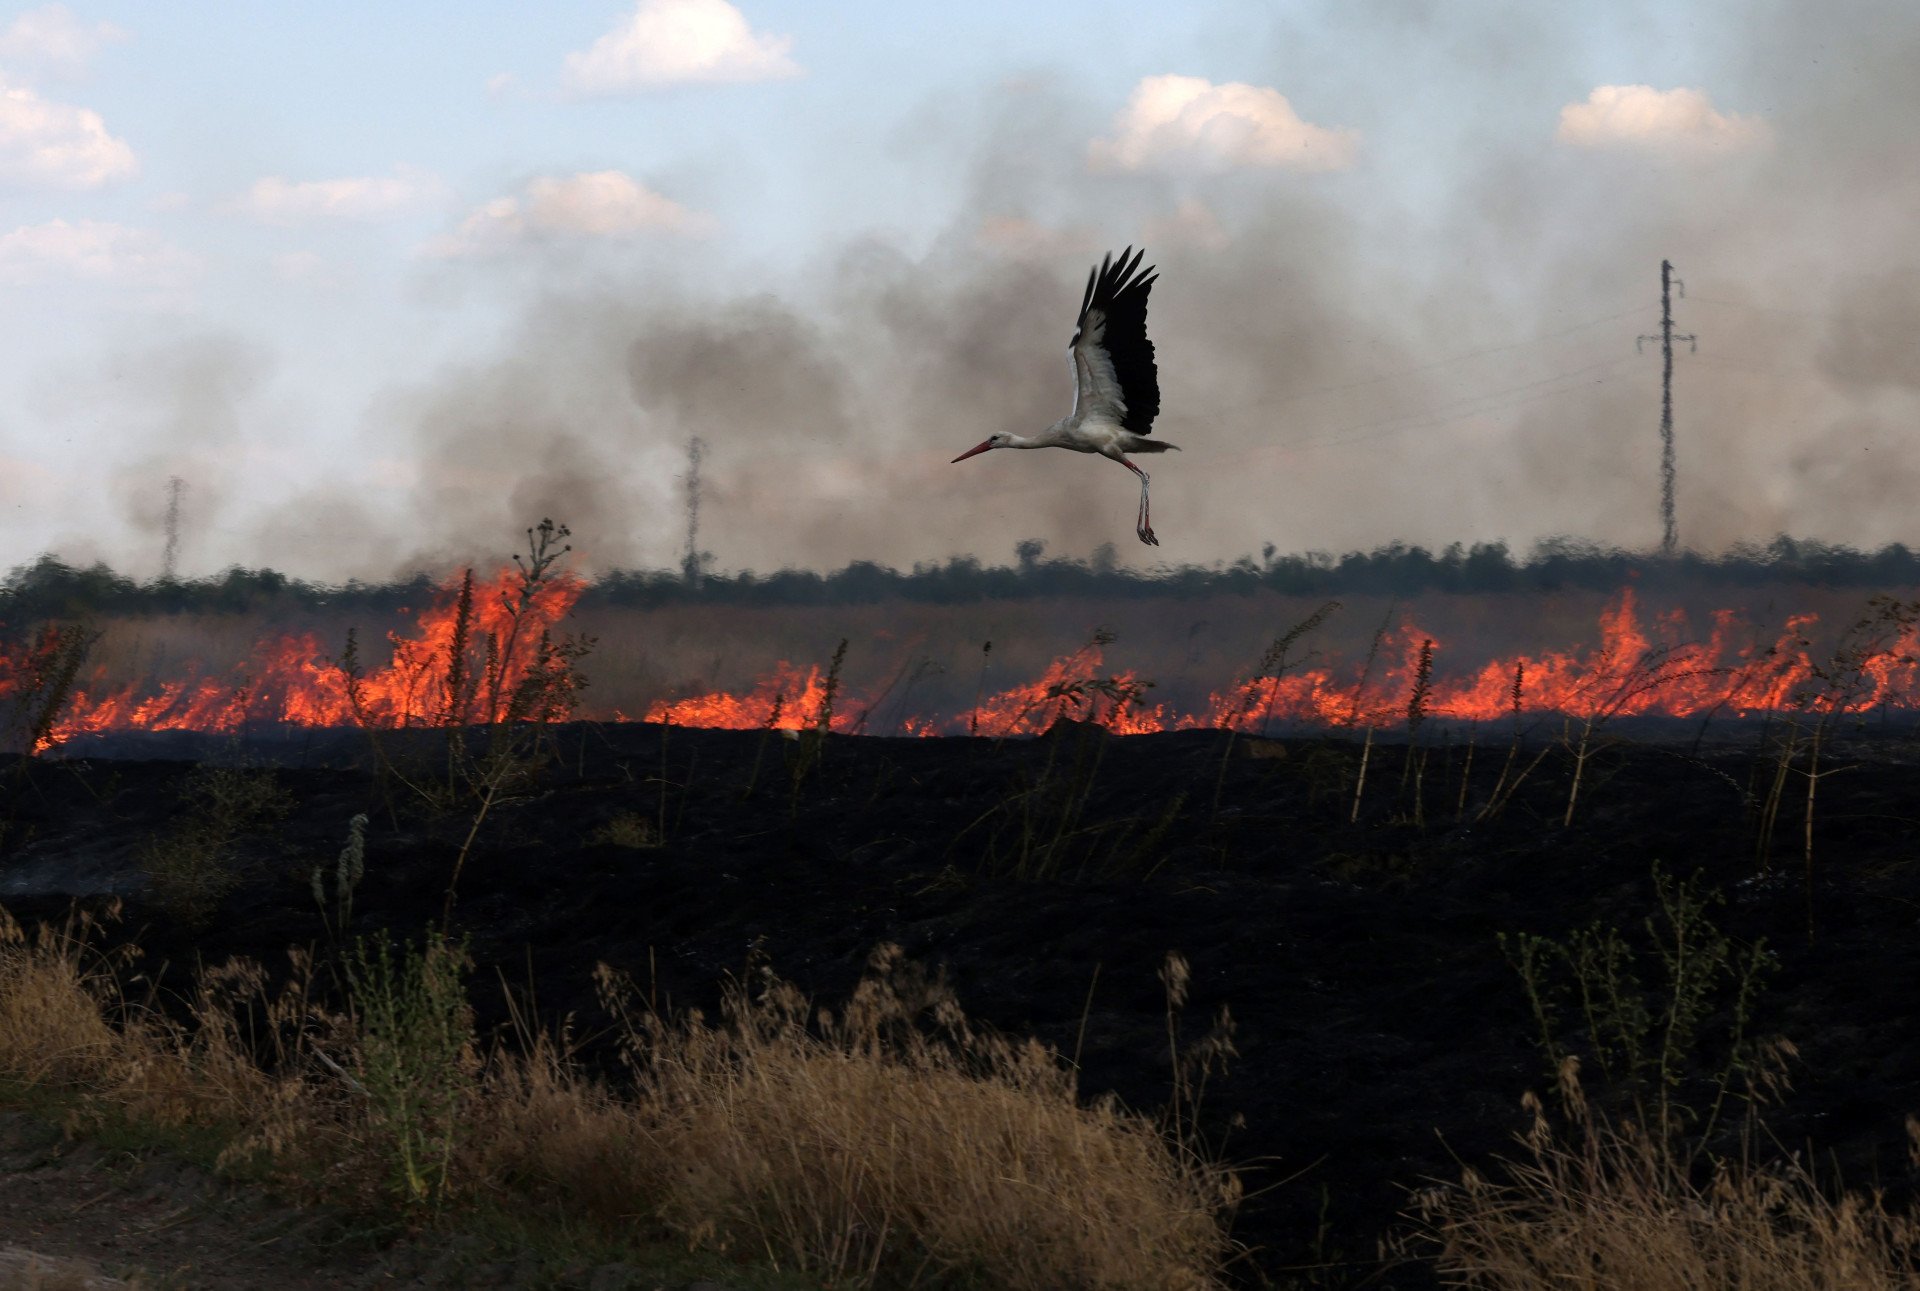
(78,1217)
(90,1217)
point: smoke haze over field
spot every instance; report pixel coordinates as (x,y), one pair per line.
(1405,252)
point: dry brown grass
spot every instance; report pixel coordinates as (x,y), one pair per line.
(52,1029)
(628,829)
(69,1030)
(1612,1210)
(890,1144)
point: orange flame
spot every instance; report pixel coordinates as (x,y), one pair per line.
(786,700)
(1630,673)
(1639,666)
(293,680)
(1068,688)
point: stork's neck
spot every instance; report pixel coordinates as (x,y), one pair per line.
(1052,437)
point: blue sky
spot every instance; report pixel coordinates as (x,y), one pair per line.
(384,283)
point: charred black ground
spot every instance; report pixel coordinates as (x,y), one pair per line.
(1383,1036)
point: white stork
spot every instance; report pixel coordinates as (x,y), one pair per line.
(1116,391)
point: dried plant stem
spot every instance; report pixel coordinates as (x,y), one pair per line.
(1814,776)
(454,713)
(1273,666)
(1770,812)
(488,794)
(980,688)
(661,824)
(1500,785)
(1582,750)
(1813,783)
(1503,791)
(1466,777)
(1360,780)
(767,729)
(1417,707)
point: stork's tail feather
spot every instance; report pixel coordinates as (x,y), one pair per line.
(1152,446)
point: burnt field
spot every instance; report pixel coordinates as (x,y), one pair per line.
(1352,931)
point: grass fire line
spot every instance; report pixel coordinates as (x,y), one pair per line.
(1637,665)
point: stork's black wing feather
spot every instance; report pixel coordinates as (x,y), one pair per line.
(1113,318)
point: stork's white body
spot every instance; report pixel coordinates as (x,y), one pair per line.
(1116,389)
(1101,435)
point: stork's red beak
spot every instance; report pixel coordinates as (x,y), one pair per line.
(980,447)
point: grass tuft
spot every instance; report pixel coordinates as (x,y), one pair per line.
(1597,1208)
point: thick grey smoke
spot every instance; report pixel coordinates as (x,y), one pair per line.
(1438,345)
(183,406)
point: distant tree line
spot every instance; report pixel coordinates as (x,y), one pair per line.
(51,589)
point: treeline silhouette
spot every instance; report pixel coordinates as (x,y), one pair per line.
(50,589)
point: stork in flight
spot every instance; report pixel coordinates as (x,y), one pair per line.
(1116,391)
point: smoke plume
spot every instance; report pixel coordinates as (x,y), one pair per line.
(1434,344)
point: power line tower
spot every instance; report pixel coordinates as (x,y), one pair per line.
(1669,533)
(176,487)
(691,558)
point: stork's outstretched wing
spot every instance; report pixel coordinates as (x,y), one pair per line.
(1112,358)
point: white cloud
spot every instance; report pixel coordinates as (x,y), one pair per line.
(95,251)
(56,145)
(678,42)
(604,203)
(593,204)
(503,85)
(52,38)
(492,227)
(1188,224)
(1617,116)
(1187,123)
(283,201)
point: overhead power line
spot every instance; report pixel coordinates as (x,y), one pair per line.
(1296,396)
(1450,411)
(1462,358)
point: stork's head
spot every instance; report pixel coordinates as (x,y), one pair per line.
(1001,440)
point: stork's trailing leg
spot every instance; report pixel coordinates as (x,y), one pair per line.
(1144,525)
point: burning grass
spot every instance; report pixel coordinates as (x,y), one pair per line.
(910,670)
(468,655)
(887,1144)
